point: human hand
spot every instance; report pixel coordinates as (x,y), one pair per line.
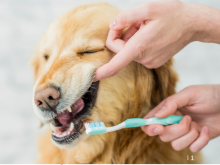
(156,31)
(201,104)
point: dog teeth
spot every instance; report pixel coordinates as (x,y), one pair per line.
(71,126)
(57,135)
(69,109)
(64,133)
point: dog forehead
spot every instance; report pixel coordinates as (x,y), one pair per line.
(81,26)
(62,39)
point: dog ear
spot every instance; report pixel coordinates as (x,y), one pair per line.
(165,79)
(154,85)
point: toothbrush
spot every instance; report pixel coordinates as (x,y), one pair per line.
(100,128)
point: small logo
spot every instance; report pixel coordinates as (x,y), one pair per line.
(190,158)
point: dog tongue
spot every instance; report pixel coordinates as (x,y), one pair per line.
(66,117)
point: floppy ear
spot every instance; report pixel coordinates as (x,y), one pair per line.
(154,85)
(165,79)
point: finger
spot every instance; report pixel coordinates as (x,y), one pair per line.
(202,141)
(184,141)
(114,41)
(119,61)
(153,130)
(172,103)
(131,31)
(129,17)
(122,58)
(175,131)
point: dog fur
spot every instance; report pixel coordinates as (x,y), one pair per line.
(132,93)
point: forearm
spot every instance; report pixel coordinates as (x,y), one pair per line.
(206,23)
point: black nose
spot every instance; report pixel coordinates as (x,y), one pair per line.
(47,99)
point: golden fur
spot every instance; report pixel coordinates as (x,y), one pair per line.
(132,93)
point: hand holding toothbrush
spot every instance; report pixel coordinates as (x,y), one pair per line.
(201,105)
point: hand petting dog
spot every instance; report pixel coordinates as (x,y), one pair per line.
(155,32)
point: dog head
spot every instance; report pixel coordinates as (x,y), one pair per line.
(64,65)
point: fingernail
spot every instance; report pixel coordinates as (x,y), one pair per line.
(157,131)
(163,107)
(206,129)
(188,119)
(112,24)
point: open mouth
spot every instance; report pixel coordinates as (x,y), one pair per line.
(66,125)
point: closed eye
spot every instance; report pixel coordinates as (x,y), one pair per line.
(90,51)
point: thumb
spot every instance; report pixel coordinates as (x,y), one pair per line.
(172,103)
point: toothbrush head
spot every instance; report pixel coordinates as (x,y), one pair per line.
(95,128)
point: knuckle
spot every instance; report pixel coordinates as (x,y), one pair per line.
(175,146)
(195,132)
(176,2)
(109,44)
(189,88)
(169,99)
(163,138)
(154,65)
(206,139)
(150,9)
(122,18)
(151,63)
(112,72)
(184,128)
(140,49)
(193,148)
(149,66)
(144,128)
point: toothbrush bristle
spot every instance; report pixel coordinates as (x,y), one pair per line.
(95,128)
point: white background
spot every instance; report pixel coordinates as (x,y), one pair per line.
(21,25)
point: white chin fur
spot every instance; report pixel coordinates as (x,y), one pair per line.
(42,116)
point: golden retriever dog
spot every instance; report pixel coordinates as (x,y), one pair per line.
(65,96)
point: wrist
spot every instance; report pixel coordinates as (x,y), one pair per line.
(204,23)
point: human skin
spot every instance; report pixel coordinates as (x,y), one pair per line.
(201,104)
(156,31)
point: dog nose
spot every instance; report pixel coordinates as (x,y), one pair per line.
(47,99)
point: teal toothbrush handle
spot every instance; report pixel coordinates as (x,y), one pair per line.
(137,122)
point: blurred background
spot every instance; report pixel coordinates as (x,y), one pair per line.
(21,25)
